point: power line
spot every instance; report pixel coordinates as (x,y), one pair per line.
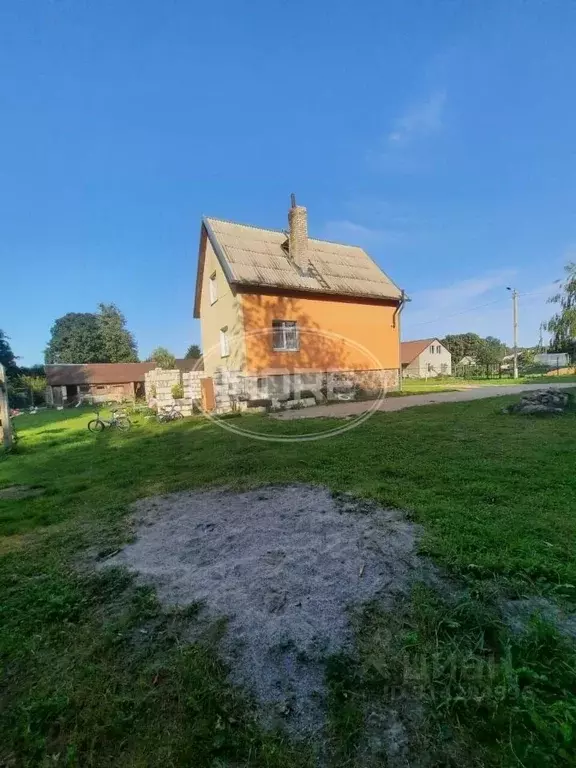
(456,314)
(474,309)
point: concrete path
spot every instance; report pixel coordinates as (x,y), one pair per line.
(342,410)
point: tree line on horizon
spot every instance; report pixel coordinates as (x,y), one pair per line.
(83,337)
(98,337)
(489,351)
(102,337)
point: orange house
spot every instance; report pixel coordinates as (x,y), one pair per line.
(273,303)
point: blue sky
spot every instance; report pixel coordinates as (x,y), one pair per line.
(438,134)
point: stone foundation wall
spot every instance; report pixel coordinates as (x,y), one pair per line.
(229,389)
(281,385)
(233,390)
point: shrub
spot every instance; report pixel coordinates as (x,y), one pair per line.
(163,358)
(535,369)
(178,391)
(18,398)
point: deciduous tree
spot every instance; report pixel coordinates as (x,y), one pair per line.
(562,325)
(163,358)
(462,345)
(7,357)
(119,343)
(490,352)
(76,338)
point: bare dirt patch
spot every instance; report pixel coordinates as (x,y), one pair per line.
(519,613)
(284,565)
(20,492)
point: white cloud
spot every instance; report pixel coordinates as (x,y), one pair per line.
(457,295)
(420,120)
(479,305)
(346,231)
(404,148)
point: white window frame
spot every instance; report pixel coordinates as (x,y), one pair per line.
(224,342)
(285,336)
(213,288)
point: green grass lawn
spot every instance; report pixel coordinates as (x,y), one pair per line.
(95,673)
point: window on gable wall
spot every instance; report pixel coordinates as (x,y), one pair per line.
(213,288)
(439,349)
(224,343)
(432,349)
(285,335)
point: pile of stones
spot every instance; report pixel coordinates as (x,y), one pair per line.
(541,401)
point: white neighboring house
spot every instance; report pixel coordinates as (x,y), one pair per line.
(424,358)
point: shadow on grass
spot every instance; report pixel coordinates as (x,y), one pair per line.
(98,676)
(495,492)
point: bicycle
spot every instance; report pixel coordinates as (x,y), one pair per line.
(118,420)
(173,414)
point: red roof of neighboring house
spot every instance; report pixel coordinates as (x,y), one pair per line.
(409,350)
(107,373)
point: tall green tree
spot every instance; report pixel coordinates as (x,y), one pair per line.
(163,358)
(562,325)
(193,352)
(490,353)
(462,345)
(119,343)
(7,357)
(31,370)
(76,338)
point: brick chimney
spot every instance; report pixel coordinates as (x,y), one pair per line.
(297,233)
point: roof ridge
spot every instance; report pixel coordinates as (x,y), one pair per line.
(341,276)
(140,362)
(282,232)
(241,224)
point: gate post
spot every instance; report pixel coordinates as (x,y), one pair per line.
(5,424)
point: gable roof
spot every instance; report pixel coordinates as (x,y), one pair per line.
(106,373)
(409,350)
(250,256)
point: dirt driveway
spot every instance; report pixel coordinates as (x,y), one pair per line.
(342,410)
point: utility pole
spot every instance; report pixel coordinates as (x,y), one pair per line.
(515,321)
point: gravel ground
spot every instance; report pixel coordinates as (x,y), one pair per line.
(284,565)
(354,408)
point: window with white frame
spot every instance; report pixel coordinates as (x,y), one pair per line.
(224,342)
(285,335)
(213,288)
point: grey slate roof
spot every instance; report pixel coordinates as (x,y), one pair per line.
(254,257)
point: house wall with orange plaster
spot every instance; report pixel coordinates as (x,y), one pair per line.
(334,333)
